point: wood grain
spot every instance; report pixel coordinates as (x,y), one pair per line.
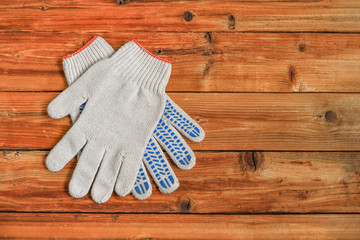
(210,15)
(125,226)
(204,61)
(274,83)
(221,182)
(232,121)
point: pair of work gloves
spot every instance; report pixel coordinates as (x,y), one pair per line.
(121,114)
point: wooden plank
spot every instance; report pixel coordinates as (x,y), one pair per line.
(232,121)
(152,226)
(210,15)
(226,62)
(221,182)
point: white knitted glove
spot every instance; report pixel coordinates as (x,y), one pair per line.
(154,159)
(125,99)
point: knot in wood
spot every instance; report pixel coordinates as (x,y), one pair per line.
(121,2)
(231,24)
(331,117)
(188,16)
(184,204)
(292,75)
(208,37)
(302,47)
(253,160)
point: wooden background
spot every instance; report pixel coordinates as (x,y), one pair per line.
(274,83)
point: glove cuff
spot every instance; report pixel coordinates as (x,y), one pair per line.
(134,63)
(77,63)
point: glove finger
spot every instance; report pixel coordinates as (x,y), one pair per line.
(127,175)
(159,168)
(65,149)
(106,177)
(142,188)
(76,94)
(170,139)
(182,121)
(66,102)
(85,171)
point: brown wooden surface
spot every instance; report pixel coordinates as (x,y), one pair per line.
(221,182)
(204,61)
(275,84)
(139,226)
(232,121)
(165,15)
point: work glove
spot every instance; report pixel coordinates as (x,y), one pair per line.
(125,98)
(155,161)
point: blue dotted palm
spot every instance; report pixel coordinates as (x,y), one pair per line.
(166,133)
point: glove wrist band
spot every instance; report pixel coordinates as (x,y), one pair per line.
(136,64)
(77,63)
